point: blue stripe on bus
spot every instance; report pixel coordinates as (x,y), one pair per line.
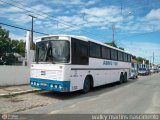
(65,84)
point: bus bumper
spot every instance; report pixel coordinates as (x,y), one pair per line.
(51,85)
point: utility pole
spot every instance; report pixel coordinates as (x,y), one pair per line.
(113,31)
(31,44)
(153,58)
(150,63)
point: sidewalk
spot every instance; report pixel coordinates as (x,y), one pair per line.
(16,90)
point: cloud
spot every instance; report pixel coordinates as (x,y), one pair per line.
(20,16)
(67,2)
(43,8)
(99,12)
(154,14)
(10,9)
(143,49)
(91,2)
(17,37)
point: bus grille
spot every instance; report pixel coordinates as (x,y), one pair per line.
(46,74)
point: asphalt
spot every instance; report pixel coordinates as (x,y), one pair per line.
(135,96)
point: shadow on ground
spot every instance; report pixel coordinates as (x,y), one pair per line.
(75,95)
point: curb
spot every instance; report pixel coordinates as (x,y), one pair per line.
(18,93)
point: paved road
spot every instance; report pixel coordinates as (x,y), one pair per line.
(135,96)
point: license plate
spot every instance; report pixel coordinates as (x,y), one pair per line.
(43,84)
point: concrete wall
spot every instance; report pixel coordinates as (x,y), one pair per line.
(14,75)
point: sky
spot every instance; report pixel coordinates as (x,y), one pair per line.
(137,22)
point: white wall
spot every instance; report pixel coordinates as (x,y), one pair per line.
(14,75)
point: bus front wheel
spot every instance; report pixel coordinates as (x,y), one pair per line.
(86,86)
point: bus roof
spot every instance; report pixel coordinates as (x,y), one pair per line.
(82,38)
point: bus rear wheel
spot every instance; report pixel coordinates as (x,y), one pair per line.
(125,77)
(121,79)
(86,86)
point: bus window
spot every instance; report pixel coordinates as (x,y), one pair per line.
(120,56)
(79,52)
(84,54)
(116,55)
(108,53)
(129,58)
(113,54)
(104,52)
(125,57)
(95,50)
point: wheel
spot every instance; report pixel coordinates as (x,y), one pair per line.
(86,86)
(125,77)
(121,79)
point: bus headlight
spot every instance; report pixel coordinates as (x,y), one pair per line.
(34,83)
(31,83)
(55,86)
(37,84)
(60,87)
(51,86)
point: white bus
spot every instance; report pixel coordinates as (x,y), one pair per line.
(66,63)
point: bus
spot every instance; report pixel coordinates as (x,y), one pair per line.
(66,63)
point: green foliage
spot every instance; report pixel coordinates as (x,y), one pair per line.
(112,44)
(121,48)
(140,59)
(9,59)
(8,47)
(18,46)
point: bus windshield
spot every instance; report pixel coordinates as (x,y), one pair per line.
(55,51)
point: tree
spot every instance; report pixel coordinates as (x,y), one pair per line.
(140,59)
(114,45)
(8,47)
(121,48)
(5,47)
(18,47)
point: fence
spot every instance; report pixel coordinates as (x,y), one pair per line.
(14,75)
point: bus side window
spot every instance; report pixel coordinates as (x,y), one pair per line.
(95,50)
(125,57)
(79,52)
(104,52)
(129,58)
(120,56)
(84,54)
(114,54)
(108,53)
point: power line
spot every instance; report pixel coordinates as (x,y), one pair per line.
(139,34)
(32,9)
(25,29)
(49,17)
(72,25)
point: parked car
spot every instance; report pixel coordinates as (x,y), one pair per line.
(154,70)
(143,72)
(148,72)
(134,73)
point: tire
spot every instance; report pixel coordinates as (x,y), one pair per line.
(125,77)
(121,79)
(86,86)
